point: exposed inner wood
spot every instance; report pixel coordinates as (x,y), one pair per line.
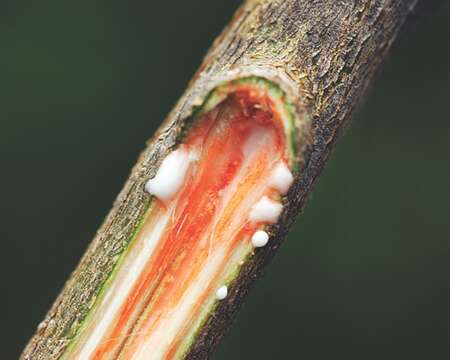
(190,244)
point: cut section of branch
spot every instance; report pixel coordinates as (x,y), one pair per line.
(219,185)
(214,195)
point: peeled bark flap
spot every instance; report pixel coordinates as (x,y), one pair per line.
(323,53)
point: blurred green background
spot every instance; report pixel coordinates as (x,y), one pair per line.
(85,83)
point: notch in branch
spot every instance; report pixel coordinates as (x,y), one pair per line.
(215,196)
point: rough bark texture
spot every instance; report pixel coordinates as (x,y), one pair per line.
(323,53)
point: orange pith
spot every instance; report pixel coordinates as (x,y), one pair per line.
(238,144)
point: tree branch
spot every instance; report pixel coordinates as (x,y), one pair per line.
(323,54)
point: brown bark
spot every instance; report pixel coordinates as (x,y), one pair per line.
(323,53)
